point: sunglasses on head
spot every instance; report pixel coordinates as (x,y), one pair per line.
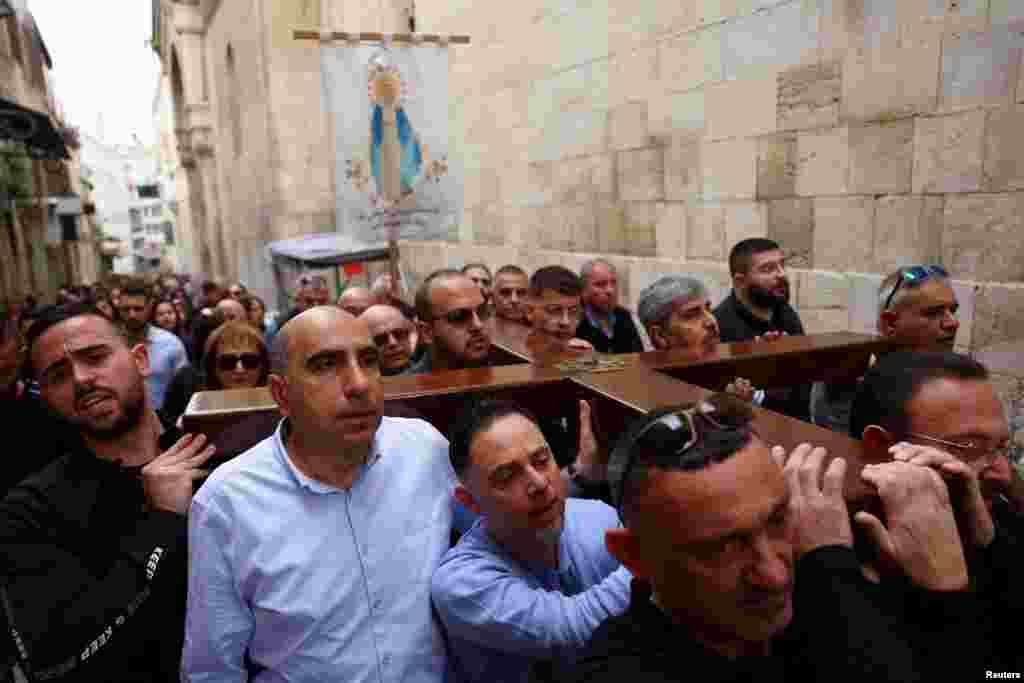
(229,361)
(914,274)
(401,334)
(674,436)
(462,316)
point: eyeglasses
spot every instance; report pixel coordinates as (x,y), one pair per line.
(229,361)
(916,274)
(463,316)
(674,436)
(400,335)
(972,451)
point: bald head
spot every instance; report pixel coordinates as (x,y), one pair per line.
(233,310)
(299,329)
(356,300)
(393,334)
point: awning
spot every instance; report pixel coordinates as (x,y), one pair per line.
(32,128)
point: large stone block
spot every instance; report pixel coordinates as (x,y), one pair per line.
(908,231)
(671,230)
(611,228)
(825,320)
(776,166)
(676,116)
(633,75)
(894,78)
(627,126)
(822,289)
(948,153)
(980,69)
(683,178)
(1005,12)
(584,179)
(730,170)
(641,174)
(864,304)
(641,228)
(691,60)
(809,95)
(1004,150)
(844,233)
(823,162)
(744,220)
(998,315)
(706,238)
(791,224)
(776,37)
(882,157)
(984,236)
(741,108)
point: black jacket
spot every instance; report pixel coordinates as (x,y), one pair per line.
(736,323)
(95,585)
(25,415)
(837,634)
(625,337)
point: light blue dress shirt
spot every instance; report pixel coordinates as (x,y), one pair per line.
(502,615)
(167,355)
(315,583)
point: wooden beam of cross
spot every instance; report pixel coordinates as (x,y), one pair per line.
(236,420)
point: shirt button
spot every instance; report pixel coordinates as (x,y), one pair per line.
(377,603)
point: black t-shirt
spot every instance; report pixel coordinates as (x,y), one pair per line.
(625,337)
(737,323)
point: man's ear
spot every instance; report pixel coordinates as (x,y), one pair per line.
(739,280)
(657,338)
(623,546)
(887,322)
(877,441)
(279,390)
(466,498)
(426,331)
(141,356)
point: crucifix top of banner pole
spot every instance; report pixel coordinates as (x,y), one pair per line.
(388,96)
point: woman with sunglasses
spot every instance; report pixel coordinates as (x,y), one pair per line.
(236,357)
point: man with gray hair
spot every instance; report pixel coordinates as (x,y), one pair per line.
(676,312)
(607,326)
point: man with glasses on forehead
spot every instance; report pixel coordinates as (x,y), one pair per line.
(394,336)
(455,321)
(745,569)
(940,410)
(917,306)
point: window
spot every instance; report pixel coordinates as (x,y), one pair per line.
(168,233)
(135,216)
(149,191)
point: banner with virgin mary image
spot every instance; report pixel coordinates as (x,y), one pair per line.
(394,177)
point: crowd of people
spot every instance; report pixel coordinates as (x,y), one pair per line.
(505,546)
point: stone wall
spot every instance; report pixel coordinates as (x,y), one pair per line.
(861,134)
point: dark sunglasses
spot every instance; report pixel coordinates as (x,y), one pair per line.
(229,361)
(674,437)
(916,275)
(463,316)
(401,334)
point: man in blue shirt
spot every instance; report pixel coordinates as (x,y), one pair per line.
(311,554)
(525,588)
(167,354)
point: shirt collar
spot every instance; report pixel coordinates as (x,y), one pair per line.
(595,319)
(308,483)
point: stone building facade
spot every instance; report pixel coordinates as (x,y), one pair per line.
(862,134)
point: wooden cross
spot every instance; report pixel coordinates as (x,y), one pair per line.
(236,420)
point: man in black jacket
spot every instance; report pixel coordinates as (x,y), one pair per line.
(746,570)
(758,306)
(606,325)
(92,547)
